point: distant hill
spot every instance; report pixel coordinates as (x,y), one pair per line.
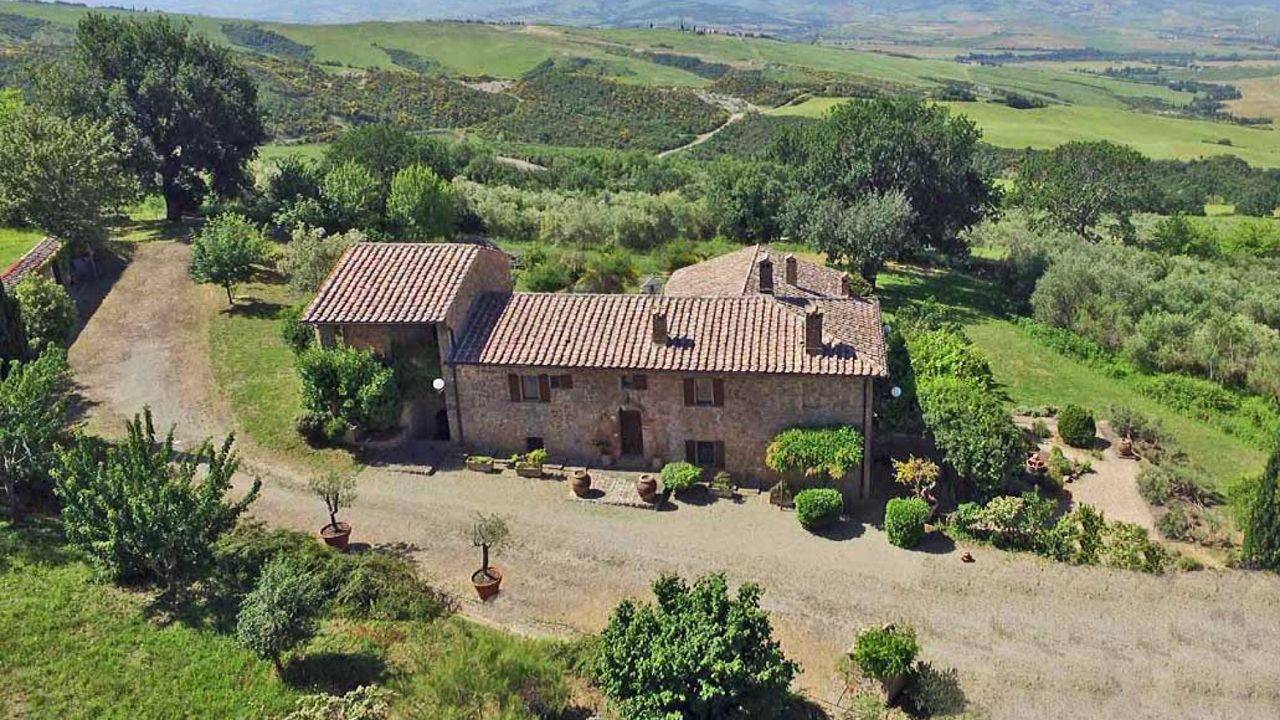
(1016,22)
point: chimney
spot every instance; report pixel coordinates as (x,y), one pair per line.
(846,287)
(790,273)
(813,331)
(660,336)
(765,271)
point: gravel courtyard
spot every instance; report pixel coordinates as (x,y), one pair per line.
(1030,638)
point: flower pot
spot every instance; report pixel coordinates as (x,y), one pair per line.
(581,483)
(487,582)
(647,487)
(480,465)
(525,470)
(336,536)
(1125,448)
(1036,464)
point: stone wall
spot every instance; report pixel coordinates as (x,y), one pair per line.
(755,408)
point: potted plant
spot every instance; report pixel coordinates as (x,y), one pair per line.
(1036,464)
(580,481)
(1125,448)
(647,488)
(887,654)
(530,466)
(480,463)
(338,492)
(490,534)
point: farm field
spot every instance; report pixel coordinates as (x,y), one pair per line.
(14,243)
(1155,136)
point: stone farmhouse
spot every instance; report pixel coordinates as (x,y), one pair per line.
(735,350)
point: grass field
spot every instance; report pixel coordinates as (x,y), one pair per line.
(15,242)
(75,648)
(1034,375)
(1155,136)
(253,369)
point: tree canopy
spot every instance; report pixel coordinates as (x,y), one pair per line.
(1078,185)
(184,110)
(904,144)
(33,419)
(226,251)
(61,174)
(1262,527)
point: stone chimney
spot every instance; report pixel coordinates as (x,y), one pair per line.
(846,287)
(813,331)
(660,335)
(764,269)
(790,271)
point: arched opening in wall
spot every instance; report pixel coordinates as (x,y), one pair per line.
(442,424)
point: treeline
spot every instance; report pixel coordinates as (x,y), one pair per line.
(771,88)
(259,39)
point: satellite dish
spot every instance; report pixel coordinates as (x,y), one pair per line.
(896,391)
(887,329)
(438,384)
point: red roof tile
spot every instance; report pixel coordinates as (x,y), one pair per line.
(393,283)
(736,273)
(747,334)
(36,259)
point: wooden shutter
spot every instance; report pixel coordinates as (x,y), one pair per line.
(513,383)
(717,392)
(640,382)
(544,388)
(719,454)
(691,452)
(689,398)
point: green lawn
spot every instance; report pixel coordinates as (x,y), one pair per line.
(1155,136)
(1034,375)
(15,242)
(254,371)
(76,648)
(73,648)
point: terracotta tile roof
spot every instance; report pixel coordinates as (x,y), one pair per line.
(393,283)
(736,274)
(747,334)
(36,259)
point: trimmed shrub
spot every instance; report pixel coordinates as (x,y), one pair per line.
(818,507)
(904,520)
(349,384)
(48,314)
(1076,426)
(830,452)
(678,476)
(973,429)
(887,652)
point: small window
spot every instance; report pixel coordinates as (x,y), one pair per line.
(635,382)
(706,454)
(534,443)
(704,391)
(529,388)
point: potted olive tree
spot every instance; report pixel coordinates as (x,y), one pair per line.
(491,535)
(530,466)
(338,492)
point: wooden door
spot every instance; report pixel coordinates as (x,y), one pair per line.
(632,432)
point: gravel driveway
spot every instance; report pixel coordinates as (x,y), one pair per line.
(1030,638)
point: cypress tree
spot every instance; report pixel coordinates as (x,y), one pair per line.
(1262,532)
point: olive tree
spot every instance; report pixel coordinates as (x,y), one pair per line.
(280,612)
(421,204)
(33,421)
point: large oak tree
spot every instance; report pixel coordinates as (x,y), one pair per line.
(185,113)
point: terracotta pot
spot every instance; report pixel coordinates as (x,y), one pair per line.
(1126,447)
(487,587)
(336,536)
(1035,464)
(647,487)
(581,483)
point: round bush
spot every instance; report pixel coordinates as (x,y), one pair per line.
(680,476)
(818,507)
(904,520)
(1076,426)
(886,652)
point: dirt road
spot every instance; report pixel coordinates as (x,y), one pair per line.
(1030,638)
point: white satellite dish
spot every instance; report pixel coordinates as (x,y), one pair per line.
(896,391)
(438,384)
